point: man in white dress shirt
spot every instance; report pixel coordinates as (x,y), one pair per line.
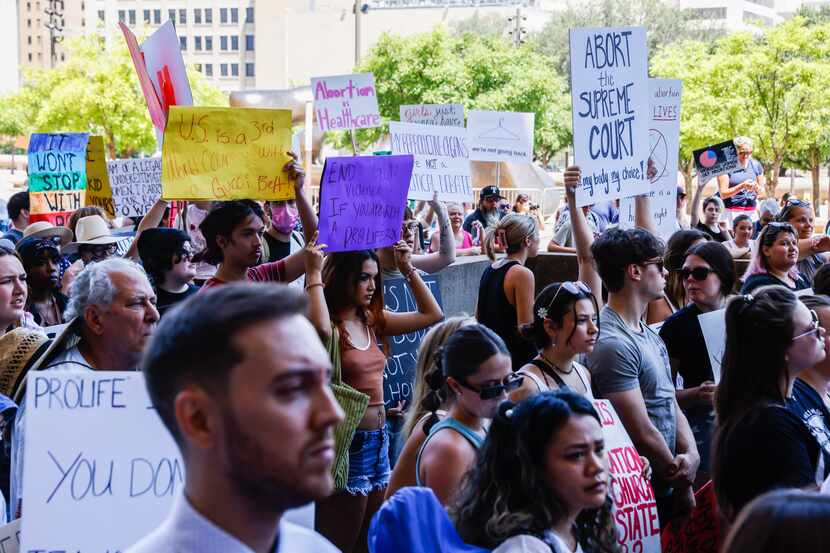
(240,378)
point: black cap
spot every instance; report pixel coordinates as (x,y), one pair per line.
(490,192)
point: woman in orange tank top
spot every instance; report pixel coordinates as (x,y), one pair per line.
(354,300)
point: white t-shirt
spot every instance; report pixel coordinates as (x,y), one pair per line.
(526,543)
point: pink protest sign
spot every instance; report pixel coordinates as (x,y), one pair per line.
(157,114)
(362,201)
(635,508)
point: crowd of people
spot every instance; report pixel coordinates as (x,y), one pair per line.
(264,357)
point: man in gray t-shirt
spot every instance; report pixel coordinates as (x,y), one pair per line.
(630,366)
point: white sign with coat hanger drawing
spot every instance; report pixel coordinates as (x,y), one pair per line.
(500,136)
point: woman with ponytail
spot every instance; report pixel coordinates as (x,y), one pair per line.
(428,406)
(759,445)
(540,484)
(474,366)
(505,294)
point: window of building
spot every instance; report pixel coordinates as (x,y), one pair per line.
(198,67)
(197,43)
(30,56)
(102,15)
(234,44)
(147,16)
(28,6)
(223,69)
(30,39)
(249,43)
(249,69)
(707,13)
(209,69)
(183,42)
(209,43)
(122,16)
(197,16)
(131,13)
(235,69)
(28,22)
(223,15)
(249,15)
(172,15)
(223,43)
(234,15)
(757,20)
(157,17)
(183,16)
(209,15)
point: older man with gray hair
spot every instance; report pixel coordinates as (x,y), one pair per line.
(112,315)
(739,189)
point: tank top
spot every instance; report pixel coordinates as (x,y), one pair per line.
(548,371)
(496,313)
(743,200)
(362,369)
(474,438)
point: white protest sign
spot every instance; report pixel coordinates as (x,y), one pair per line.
(165,66)
(345,102)
(10,537)
(442,161)
(135,184)
(713,327)
(609,95)
(661,167)
(445,115)
(100,469)
(500,136)
(635,508)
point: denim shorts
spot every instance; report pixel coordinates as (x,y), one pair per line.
(368,461)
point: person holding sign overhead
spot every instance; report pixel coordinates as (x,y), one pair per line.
(253,416)
(739,188)
(356,327)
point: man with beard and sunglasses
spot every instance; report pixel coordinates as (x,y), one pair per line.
(630,365)
(253,415)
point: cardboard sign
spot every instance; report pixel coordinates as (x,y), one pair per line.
(10,537)
(635,508)
(98,190)
(57,175)
(609,95)
(136,185)
(661,167)
(713,327)
(399,372)
(226,154)
(442,160)
(443,115)
(715,160)
(362,200)
(500,136)
(345,102)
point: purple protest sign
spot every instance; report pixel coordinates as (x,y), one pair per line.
(362,201)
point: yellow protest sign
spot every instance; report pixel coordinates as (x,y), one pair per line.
(98,191)
(226,154)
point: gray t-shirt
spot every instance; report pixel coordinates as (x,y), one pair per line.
(623,360)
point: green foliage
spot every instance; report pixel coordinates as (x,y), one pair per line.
(95,90)
(481,72)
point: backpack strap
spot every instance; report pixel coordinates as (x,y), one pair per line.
(545,367)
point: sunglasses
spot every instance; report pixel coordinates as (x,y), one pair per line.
(183,255)
(101,251)
(698,273)
(573,288)
(659,262)
(510,383)
(795,202)
(815,328)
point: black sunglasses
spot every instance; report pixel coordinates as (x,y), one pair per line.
(660,262)
(510,383)
(698,273)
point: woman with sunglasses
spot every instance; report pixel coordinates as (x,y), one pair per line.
(799,214)
(167,256)
(759,444)
(774,260)
(708,277)
(541,481)
(674,295)
(475,365)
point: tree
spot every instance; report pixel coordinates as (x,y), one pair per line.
(96,91)
(490,24)
(481,72)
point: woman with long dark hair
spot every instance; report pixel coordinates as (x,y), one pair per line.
(353,293)
(774,260)
(760,445)
(541,480)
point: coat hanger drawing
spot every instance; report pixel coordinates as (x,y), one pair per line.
(499,133)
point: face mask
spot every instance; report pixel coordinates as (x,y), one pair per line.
(284,218)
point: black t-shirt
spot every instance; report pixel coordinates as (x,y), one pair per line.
(684,340)
(277,249)
(763,279)
(165,300)
(721,236)
(807,405)
(767,449)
